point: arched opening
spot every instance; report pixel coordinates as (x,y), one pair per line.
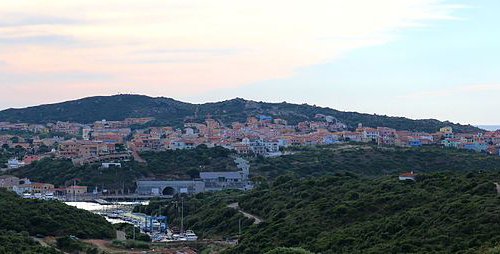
(168,191)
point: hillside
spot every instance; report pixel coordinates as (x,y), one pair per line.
(371,160)
(171,112)
(440,213)
(178,164)
(361,159)
(11,242)
(50,218)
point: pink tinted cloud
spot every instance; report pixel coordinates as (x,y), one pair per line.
(194,46)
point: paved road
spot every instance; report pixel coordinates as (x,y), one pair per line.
(257,220)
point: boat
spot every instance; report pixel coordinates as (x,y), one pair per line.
(190,235)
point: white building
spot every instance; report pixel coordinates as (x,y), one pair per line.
(14,163)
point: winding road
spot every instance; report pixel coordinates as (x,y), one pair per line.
(236,206)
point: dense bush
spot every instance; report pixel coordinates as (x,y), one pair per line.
(12,242)
(440,213)
(180,164)
(62,172)
(187,164)
(443,212)
(283,250)
(371,160)
(50,218)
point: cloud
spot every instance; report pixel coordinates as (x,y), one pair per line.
(211,51)
(20,19)
(175,48)
(39,40)
(53,78)
(453,91)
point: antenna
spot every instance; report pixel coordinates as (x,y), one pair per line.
(239,227)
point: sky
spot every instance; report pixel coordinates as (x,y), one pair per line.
(414,58)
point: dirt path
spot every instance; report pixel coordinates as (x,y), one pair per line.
(257,220)
(105,245)
(41,242)
(120,235)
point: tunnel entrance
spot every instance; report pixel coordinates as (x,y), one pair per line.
(168,191)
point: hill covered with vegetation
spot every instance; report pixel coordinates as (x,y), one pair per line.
(361,159)
(50,218)
(178,164)
(12,242)
(371,160)
(171,112)
(440,213)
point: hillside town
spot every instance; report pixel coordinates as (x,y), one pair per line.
(109,142)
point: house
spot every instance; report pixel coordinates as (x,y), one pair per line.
(408,176)
(330,139)
(28,159)
(447,132)
(42,188)
(111,164)
(415,143)
(242,148)
(215,181)
(368,134)
(14,163)
(8,182)
(451,142)
(476,146)
(76,190)
(352,136)
(179,145)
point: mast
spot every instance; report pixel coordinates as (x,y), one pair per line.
(182,215)
(239,227)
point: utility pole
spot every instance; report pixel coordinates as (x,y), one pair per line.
(158,218)
(239,228)
(134,232)
(74,194)
(182,214)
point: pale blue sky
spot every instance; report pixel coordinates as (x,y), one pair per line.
(448,70)
(414,58)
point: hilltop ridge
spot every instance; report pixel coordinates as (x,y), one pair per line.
(174,112)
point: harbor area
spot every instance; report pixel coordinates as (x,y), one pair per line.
(156,227)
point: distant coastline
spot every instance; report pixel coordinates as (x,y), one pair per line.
(489,127)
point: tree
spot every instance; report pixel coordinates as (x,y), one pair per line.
(14,139)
